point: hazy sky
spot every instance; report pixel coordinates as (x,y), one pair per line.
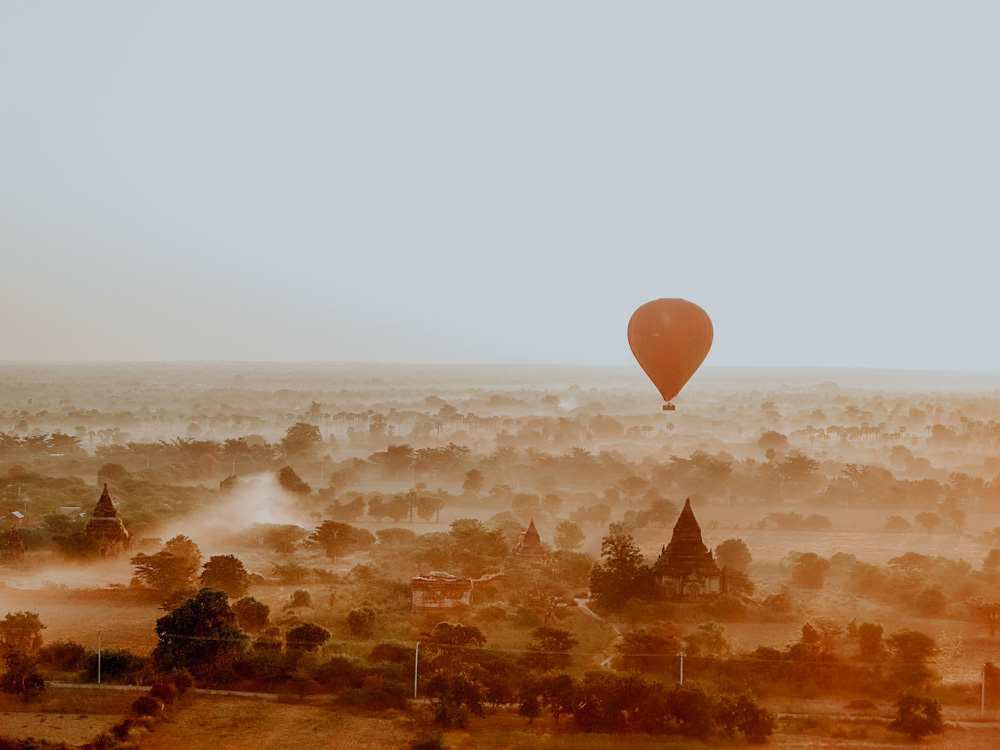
(502,182)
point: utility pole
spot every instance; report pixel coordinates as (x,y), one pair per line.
(416,662)
(98,657)
(681,654)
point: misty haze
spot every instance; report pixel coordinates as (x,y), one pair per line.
(499,376)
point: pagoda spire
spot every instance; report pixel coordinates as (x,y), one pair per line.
(105,507)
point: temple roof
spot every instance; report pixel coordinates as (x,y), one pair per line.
(530,537)
(686,552)
(105,508)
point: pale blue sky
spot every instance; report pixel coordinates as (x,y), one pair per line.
(506,182)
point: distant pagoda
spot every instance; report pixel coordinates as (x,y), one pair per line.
(686,565)
(529,544)
(107,529)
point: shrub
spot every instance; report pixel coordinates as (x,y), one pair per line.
(917,717)
(117,665)
(340,673)
(146,706)
(252,615)
(429,741)
(183,681)
(120,730)
(62,656)
(306,637)
(164,691)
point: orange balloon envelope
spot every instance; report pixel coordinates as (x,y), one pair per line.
(670,338)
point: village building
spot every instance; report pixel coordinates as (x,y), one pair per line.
(106,528)
(686,566)
(438,590)
(529,543)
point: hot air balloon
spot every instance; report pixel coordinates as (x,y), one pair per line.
(670,338)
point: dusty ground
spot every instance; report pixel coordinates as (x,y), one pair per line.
(248,724)
(75,716)
(77,615)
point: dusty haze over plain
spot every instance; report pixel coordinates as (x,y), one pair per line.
(454,183)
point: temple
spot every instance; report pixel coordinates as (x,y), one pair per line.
(529,544)
(107,529)
(438,590)
(686,566)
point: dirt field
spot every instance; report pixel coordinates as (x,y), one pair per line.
(247,724)
(75,716)
(502,732)
(76,615)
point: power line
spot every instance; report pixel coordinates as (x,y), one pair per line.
(537,652)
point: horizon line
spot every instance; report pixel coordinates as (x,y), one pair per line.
(401,363)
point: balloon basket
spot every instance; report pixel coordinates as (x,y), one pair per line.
(669,407)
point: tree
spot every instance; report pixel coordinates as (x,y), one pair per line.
(477,548)
(473,483)
(624,574)
(772,440)
(456,634)
(708,640)
(378,508)
(743,714)
(662,511)
(428,507)
(226,573)
(282,538)
(172,571)
(199,635)
(341,479)
(809,569)
(347,512)
(299,599)
(361,621)
(733,554)
(339,539)
(992,560)
(917,717)
(870,647)
(568,535)
(929,521)
(549,649)
(21,632)
(291,482)
(252,615)
(798,468)
(911,650)
(302,440)
(306,636)
(897,524)
(930,602)
(632,486)
(453,695)
(986,613)
(816,522)
(21,675)
(398,508)
(558,693)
